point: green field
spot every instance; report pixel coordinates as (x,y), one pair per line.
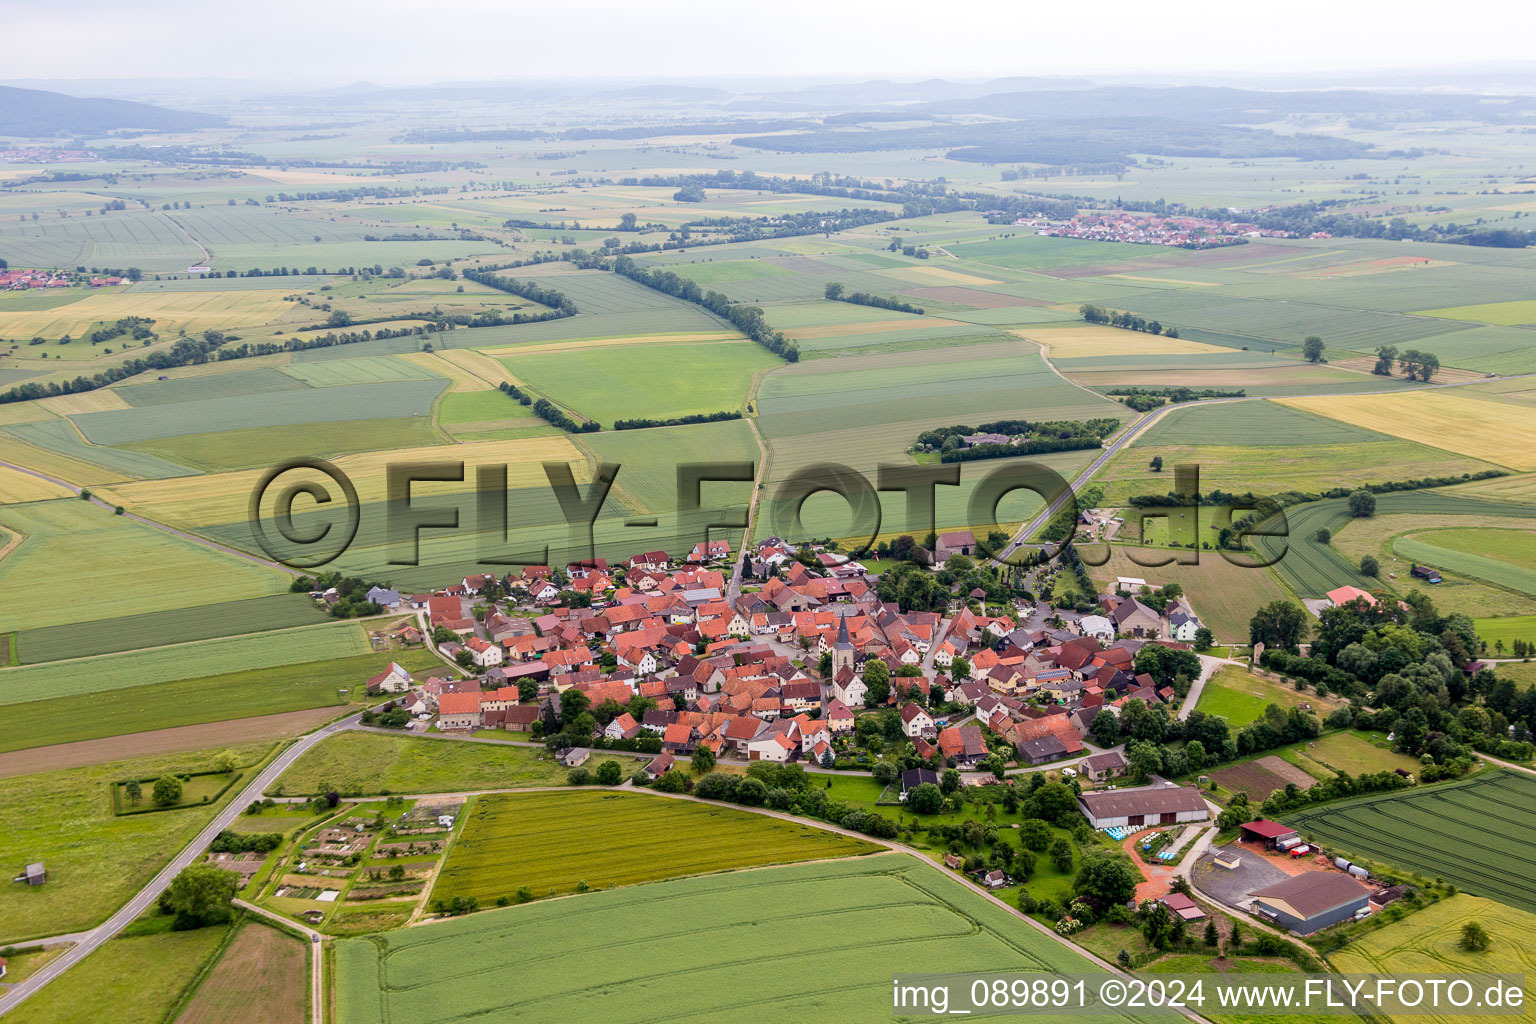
(156,629)
(1477,833)
(1507,629)
(149,570)
(186,661)
(1505,558)
(264,446)
(549,842)
(95,860)
(1240,697)
(1427,943)
(703,942)
(1505,314)
(216,698)
(461,407)
(141,977)
(1260,424)
(644,380)
(1353,752)
(372,763)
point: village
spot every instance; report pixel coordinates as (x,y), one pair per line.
(1146,229)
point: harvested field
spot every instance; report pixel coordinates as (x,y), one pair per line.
(469,370)
(263,728)
(1496,432)
(1288,772)
(1444,375)
(262,978)
(17,487)
(1087,341)
(100,400)
(1249,777)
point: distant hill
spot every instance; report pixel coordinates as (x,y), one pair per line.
(34,112)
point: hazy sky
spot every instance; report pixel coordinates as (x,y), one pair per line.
(395,42)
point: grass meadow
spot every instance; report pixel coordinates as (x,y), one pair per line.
(371,763)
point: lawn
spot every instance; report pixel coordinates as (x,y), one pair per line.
(261,978)
(95,860)
(376,764)
(1354,752)
(703,942)
(1240,697)
(644,381)
(149,570)
(550,842)
(141,978)
(156,629)
(1506,629)
(1426,943)
(185,661)
(1476,833)
(243,693)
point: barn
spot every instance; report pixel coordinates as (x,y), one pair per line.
(1267,832)
(1310,901)
(1153,805)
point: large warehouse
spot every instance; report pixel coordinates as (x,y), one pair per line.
(1153,805)
(1312,900)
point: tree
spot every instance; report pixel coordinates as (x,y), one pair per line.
(1369,566)
(1143,760)
(572,703)
(1105,728)
(199,896)
(1362,504)
(1475,938)
(925,799)
(1157,464)
(703,761)
(167,791)
(1123,958)
(1204,638)
(1281,624)
(1061,854)
(1312,348)
(949,782)
(1386,355)
(610,773)
(1323,535)
(226,762)
(833,290)
(1212,937)
(885,773)
(877,682)
(134,792)
(1035,834)
(628,222)
(1106,877)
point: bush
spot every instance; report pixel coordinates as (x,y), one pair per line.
(579,777)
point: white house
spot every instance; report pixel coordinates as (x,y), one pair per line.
(1097,626)
(485,653)
(915,721)
(850,692)
(1183,623)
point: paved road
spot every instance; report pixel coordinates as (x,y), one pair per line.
(189,854)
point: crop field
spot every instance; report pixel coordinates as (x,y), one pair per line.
(143,239)
(1477,833)
(538,840)
(193,312)
(264,446)
(96,860)
(187,661)
(1504,314)
(218,697)
(261,978)
(1506,549)
(645,381)
(461,407)
(140,977)
(1456,421)
(156,629)
(150,569)
(1258,778)
(1239,697)
(1256,424)
(911,912)
(372,763)
(1427,943)
(17,487)
(1080,342)
(55,447)
(336,404)
(362,370)
(207,386)
(1507,629)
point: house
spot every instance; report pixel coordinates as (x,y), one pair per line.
(839,717)
(1132,618)
(1104,766)
(394,679)
(914,777)
(959,542)
(622,728)
(651,561)
(771,746)
(1183,623)
(1151,805)
(994,879)
(485,653)
(678,738)
(1341,596)
(849,688)
(572,757)
(1097,626)
(1267,832)
(1310,901)
(386,599)
(460,711)
(1181,905)
(659,767)
(963,744)
(916,722)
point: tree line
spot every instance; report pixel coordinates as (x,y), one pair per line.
(834,292)
(678,421)
(749,320)
(1096,314)
(1414,364)
(550,413)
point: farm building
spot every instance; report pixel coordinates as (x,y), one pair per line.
(1181,905)
(1104,766)
(1267,832)
(1153,805)
(33,874)
(914,777)
(1310,901)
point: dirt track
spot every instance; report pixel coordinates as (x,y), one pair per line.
(161,741)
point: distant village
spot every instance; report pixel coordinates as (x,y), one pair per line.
(1146,229)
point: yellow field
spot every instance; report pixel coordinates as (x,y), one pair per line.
(1505,314)
(581,343)
(223,497)
(62,466)
(1077,342)
(926,275)
(171,311)
(1496,432)
(16,486)
(911,323)
(458,365)
(23,412)
(100,400)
